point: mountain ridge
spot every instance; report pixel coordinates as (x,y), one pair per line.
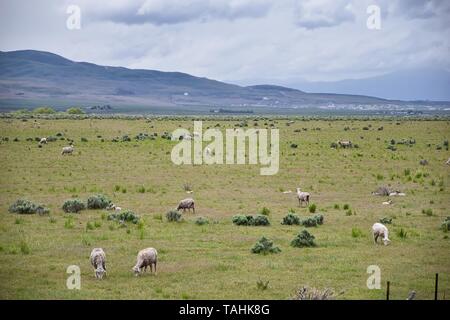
(40,76)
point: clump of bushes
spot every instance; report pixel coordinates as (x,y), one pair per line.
(98,201)
(248,220)
(23,206)
(173,216)
(303,239)
(200,221)
(73,206)
(265,246)
(124,216)
(291,219)
(446,224)
(312,221)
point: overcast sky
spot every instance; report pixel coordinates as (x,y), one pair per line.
(239,41)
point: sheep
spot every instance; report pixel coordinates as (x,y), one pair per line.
(187,203)
(43,141)
(98,261)
(67,150)
(112,206)
(302,197)
(387,202)
(378,230)
(146,257)
(345,143)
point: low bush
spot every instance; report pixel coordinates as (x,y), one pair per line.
(73,206)
(291,219)
(312,208)
(303,239)
(312,221)
(23,206)
(200,221)
(173,216)
(445,226)
(124,216)
(248,220)
(98,201)
(265,246)
(386,220)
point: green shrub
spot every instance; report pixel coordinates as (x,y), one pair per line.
(356,233)
(98,201)
(427,212)
(173,216)
(303,239)
(312,208)
(73,206)
(69,224)
(346,206)
(248,220)
(386,220)
(23,206)
(262,285)
(445,226)
(201,221)
(265,246)
(312,221)
(402,233)
(141,189)
(124,216)
(291,219)
(336,206)
(24,248)
(265,211)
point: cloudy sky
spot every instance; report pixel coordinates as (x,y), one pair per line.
(239,41)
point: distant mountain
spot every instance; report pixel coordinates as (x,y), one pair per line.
(417,84)
(33,77)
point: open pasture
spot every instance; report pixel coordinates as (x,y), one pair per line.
(214,260)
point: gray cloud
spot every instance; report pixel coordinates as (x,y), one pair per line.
(312,14)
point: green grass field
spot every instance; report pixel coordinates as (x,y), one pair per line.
(214,261)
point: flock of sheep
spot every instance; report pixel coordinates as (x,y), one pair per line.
(378,229)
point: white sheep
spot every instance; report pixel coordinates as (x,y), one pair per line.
(43,141)
(380,230)
(187,203)
(67,150)
(302,197)
(98,261)
(387,202)
(146,257)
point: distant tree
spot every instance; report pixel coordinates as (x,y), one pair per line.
(44,110)
(75,110)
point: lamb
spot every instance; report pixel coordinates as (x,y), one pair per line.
(345,143)
(187,203)
(43,141)
(302,197)
(67,150)
(146,257)
(378,230)
(98,261)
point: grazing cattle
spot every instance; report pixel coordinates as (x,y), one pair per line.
(380,230)
(186,204)
(302,197)
(98,261)
(146,257)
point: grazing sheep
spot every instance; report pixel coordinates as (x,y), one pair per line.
(67,150)
(302,197)
(146,257)
(43,141)
(98,261)
(387,202)
(380,230)
(186,204)
(345,143)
